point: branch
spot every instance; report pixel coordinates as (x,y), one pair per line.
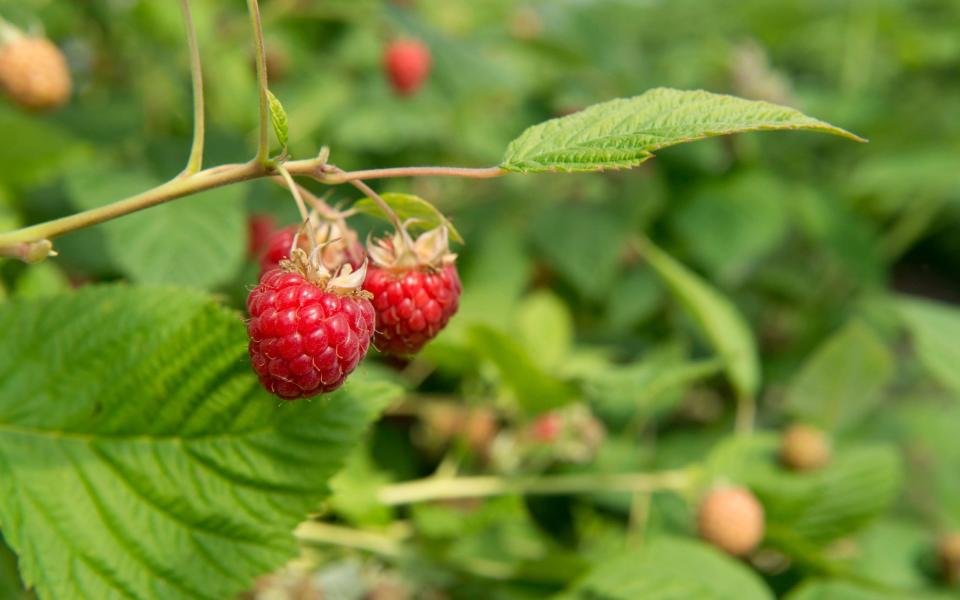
(448,488)
(195,162)
(263,144)
(333,176)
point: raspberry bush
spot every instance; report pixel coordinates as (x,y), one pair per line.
(261,349)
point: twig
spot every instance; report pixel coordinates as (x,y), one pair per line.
(436,488)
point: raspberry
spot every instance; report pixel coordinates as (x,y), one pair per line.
(804,448)
(407,63)
(731,518)
(415,289)
(307,330)
(260,232)
(412,306)
(333,254)
(33,73)
(547,428)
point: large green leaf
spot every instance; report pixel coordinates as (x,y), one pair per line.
(625,132)
(139,457)
(667,569)
(718,319)
(843,380)
(197,241)
(936,329)
(833,589)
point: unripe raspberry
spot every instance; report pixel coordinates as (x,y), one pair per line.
(415,290)
(804,448)
(33,73)
(407,63)
(948,555)
(731,518)
(308,330)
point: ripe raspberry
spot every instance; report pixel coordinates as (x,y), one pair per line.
(415,290)
(547,427)
(407,63)
(804,448)
(308,330)
(334,253)
(731,518)
(33,73)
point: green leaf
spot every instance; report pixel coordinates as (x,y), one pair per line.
(278,118)
(670,568)
(409,206)
(545,327)
(535,390)
(625,132)
(842,381)
(935,328)
(198,241)
(718,319)
(139,456)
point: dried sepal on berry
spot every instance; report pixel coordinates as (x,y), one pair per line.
(400,253)
(340,245)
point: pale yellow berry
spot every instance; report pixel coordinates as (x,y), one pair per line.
(948,553)
(731,518)
(34,73)
(804,448)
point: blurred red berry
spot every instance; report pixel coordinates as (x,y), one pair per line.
(260,229)
(407,63)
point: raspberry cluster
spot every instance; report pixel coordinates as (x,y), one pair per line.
(312,317)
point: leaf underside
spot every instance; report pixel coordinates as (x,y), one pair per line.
(623,133)
(140,458)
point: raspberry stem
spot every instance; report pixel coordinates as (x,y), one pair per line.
(435,488)
(195,162)
(263,143)
(304,213)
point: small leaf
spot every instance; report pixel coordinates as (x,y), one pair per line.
(625,132)
(935,328)
(545,327)
(139,456)
(843,380)
(718,319)
(278,118)
(409,206)
(669,568)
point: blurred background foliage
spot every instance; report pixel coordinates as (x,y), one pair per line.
(815,240)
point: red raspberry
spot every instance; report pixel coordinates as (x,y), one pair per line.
(305,339)
(412,306)
(278,248)
(407,63)
(547,428)
(260,232)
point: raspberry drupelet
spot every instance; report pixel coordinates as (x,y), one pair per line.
(415,287)
(308,330)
